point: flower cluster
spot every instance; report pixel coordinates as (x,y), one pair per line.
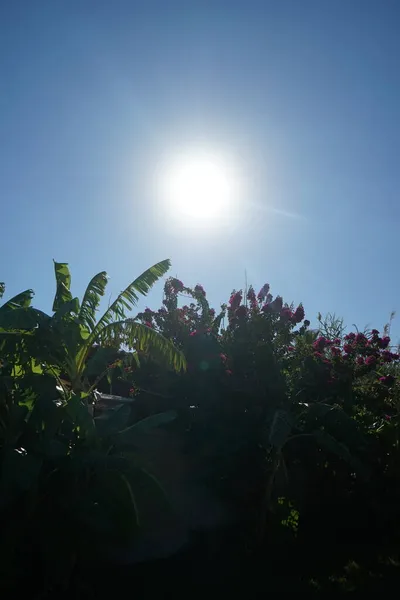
(367,352)
(252,299)
(199,290)
(262,294)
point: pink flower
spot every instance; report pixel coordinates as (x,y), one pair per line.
(263,292)
(235,300)
(132,390)
(360,338)
(223,357)
(177,285)
(199,290)
(350,336)
(320,343)
(335,351)
(388,417)
(318,355)
(384,342)
(348,348)
(374,332)
(193,333)
(241,312)
(228,372)
(387,380)
(251,297)
(387,356)
(360,360)
(286,314)
(212,313)
(148,324)
(276,305)
(290,348)
(337,341)
(298,314)
(370,361)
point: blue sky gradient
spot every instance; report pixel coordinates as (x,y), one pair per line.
(303,95)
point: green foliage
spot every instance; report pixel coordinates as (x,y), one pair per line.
(67,481)
(296,431)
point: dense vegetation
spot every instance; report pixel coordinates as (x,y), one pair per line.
(292,432)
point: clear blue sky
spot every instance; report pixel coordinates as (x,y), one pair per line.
(305,94)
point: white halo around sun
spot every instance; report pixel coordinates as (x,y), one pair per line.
(198,186)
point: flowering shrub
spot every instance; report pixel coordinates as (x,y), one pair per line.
(267,402)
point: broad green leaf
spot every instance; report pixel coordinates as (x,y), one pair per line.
(67,308)
(143,338)
(91,300)
(128,435)
(128,298)
(22,300)
(102,357)
(63,283)
(78,412)
(113,420)
(22,318)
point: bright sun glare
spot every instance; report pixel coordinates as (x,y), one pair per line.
(198,186)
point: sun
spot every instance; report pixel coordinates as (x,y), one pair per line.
(198,186)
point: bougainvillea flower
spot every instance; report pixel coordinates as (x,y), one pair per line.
(370,361)
(387,356)
(360,338)
(348,348)
(276,305)
(350,336)
(241,312)
(387,380)
(263,292)
(199,289)
(320,343)
(384,342)
(235,300)
(298,314)
(286,314)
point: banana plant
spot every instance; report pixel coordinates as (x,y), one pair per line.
(62,343)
